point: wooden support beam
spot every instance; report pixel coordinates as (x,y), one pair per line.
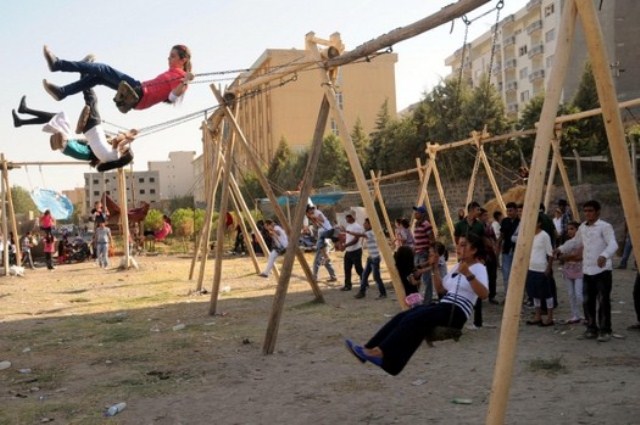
(12,215)
(127,261)
(492,179)
(612,120)
(424,197)
(505,359)
(383,208)
(5,227)
(443,198)
(269,192)
(568,188)
(298,219)
(444,15)
(243,228)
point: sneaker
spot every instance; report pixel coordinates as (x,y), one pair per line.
(382,296)
(589,334)
(332,279)
(263,275)
(494,301)
(82,119)
(89,58)
(359,295)
(604,337)
(53,90)
(56,141)
(50,58)
(345,288)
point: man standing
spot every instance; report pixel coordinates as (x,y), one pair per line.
(508,227)
(352,250)
(599,245)
(280,243)
(470,224)
(565,219)
(325,230)
(423,238)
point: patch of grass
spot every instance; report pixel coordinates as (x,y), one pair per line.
(122,334)
(308,304)
(552,366)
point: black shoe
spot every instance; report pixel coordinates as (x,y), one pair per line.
(22,108)
(17,122)
(53,90)
(359,295)
(494,301)
(382,296)
(345,288)
(50,58)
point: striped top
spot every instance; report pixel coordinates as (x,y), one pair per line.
(459,291)
(422,236)
(372,246)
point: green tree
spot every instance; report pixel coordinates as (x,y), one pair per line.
(153,220)
(360,141)
(178,202)
(378,138)
(484,108)
(22,202)
(336,168)
(592,133)
(280,166)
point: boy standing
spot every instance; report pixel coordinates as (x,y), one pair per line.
(102,239)
(373,262)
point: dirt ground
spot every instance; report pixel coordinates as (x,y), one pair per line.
(81,338)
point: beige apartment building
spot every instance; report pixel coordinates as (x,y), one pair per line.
(291,110)
(177,176)
(525,46)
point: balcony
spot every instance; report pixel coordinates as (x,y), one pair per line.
(508,20)
(512,86)
(536,50)
(536,75)
(512,108)
(533,3)
(509,41)
(534,26)
(510,64)
(497,67)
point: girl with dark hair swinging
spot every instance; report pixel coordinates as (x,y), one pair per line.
(394,344)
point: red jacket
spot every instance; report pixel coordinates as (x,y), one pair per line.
(157,90)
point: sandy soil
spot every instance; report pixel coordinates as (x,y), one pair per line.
(89,338)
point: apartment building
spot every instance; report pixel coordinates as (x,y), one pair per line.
(525,46)
(142,186)
(176,175)
(290,111)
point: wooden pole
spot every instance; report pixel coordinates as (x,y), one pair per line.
(424,182)
(383,208)
(562,168)
(550,180)
(612,120)
(298,219)
(12,214)
(432,151)
(426,200)
(505,359)
(472,180)
(243,228)
(361,182)
(224,199)
(5,229)
(492,179)
(269,192)
(127,261)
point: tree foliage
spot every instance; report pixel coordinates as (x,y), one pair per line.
(22,202)
(153,220)
(591,131)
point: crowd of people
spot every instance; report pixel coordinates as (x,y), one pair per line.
(582,253)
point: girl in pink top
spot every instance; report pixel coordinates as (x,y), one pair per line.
(49,249)
(572,274)
(47,222)
(166,87)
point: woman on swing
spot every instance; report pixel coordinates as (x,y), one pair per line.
(168,87)
(394,344)
(96,148)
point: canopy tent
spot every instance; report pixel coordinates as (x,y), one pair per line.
(330,198)
(58,204)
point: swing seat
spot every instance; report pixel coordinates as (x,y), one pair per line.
(442,333)
(118,163)
(126,97)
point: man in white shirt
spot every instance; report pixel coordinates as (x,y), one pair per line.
(599,245)
(352,251)
(280,243)
(325,230)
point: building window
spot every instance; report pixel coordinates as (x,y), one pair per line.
(141,191)
(95,181)
(152,191)
(152,179)
(549,10)
(96,193)
(334,128)
(141,180)
(522,50)
(340,100)
(550,35)
(524,96)
(549,61)
(524,73)
(108,192)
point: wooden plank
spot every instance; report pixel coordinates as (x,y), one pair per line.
(505,360)
(298,220)
(612,120)
(383,208)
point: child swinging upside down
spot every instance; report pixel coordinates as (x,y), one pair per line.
(394,344)
(96,148)
(168,87)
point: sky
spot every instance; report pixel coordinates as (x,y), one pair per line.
(135,37)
